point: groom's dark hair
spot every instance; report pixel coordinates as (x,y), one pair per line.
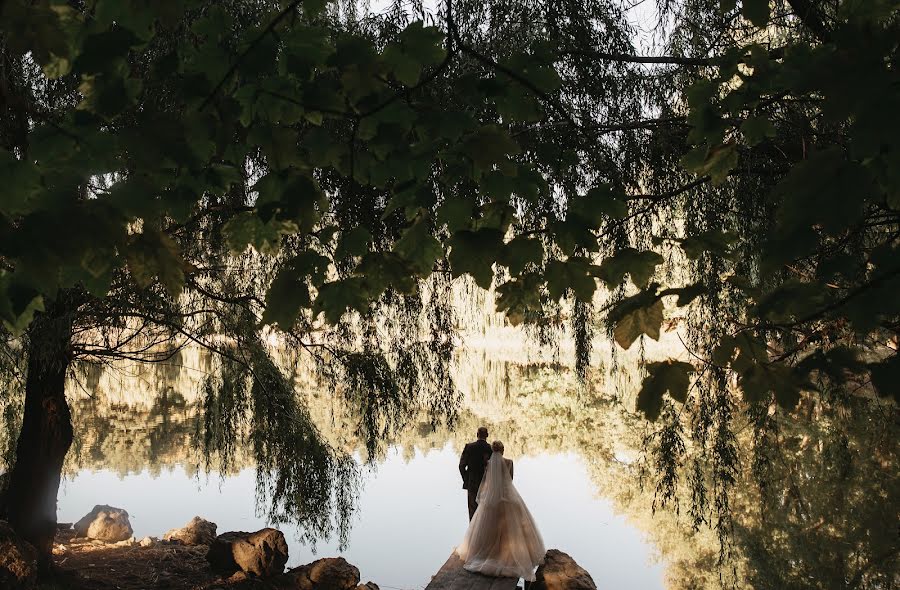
(482,432)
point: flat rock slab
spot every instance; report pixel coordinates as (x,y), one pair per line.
(452,576)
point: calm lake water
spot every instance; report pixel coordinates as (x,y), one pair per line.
(139,433)
(583,465)
(411,513)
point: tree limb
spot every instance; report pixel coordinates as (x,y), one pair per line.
(811,19)
(234,66)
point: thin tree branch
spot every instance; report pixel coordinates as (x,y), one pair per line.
(234,66)
(811,19)
(639,59)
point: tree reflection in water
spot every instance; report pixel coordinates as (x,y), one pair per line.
(815,506)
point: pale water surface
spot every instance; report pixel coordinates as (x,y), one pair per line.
(411,513)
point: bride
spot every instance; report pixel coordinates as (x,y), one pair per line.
(502,539)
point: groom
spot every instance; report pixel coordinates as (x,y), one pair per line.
(474,457)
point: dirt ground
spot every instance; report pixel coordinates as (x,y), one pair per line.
(91,565)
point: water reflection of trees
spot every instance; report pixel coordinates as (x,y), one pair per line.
(809,512)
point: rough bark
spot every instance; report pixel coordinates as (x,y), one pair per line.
(46,433)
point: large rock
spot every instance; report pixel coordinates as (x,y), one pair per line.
(262,553)
(105,523)
(560,572)
(196,532)
(331,573)
(18,560)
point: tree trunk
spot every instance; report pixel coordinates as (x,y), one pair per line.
(46,433)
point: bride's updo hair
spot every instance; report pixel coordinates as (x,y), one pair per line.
(497,447)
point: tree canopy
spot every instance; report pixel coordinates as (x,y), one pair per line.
(206,170)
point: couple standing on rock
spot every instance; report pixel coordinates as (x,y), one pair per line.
(502,539)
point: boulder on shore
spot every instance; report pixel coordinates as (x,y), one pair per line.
(560,572)
(262,553)
(18,560)
(105,523)
(330,573)
(196,532)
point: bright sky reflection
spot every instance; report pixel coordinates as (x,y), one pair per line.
(411,514)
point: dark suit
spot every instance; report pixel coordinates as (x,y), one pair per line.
(472,462)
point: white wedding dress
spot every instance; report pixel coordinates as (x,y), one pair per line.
(502,539)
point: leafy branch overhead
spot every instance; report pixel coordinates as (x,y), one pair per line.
(359,167)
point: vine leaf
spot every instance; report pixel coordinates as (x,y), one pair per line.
(715,241)
(153,254)
(760,379)
(473,252)
(519,296)
(247,228)
(717,162)
(886,377)
(520,252)
(757,12)
(419,247)
(628,261)
(637,315)
(667,376)
(289,292)
(336,297)
(573,274)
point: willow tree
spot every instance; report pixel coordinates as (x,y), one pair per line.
(521,143)
(148,147)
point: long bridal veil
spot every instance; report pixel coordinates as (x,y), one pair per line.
(502,538)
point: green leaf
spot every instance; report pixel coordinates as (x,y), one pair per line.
(313,8)
(717,162)
(384,270)
(289,292)
(423,42)
(353,243)
(403,65)
(520,252)
(418,246)
(474,252)
(574,274)
(637,315)
(792,299)
(757,12)
(21,181)
(685,294)
(287,295)
(573,233)
(336,297)
(456,213)
(751,350)
(640,265)
(756,129)
(18,304)
(517,297)
(667,376)
(489,145)
(247,228)
(886,377)
(290,196)
(723,352)
(827,190)
(760,379)
(600,201)
(152,255)
(715,241)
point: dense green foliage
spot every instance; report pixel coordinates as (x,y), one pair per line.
(163,120)
(201,170)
